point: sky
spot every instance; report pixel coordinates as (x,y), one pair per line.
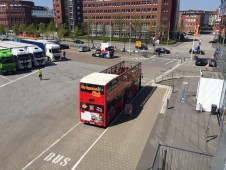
(207,5)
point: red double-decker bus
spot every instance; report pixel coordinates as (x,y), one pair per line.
(103,95)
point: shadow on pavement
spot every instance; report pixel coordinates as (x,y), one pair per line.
(138,104)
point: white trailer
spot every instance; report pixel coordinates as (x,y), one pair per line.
(209,90)
(21,56)
(37,56)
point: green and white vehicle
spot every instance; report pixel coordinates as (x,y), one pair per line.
(7,62)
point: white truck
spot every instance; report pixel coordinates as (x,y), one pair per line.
(52,51)
(37,56)
(21,56)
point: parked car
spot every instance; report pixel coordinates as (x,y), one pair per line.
(97,53)
(78,42)
(196,51)
(84,49)
(56,41)
(201,62)
(213,41)
(213,63)
(64,46)
(162,50)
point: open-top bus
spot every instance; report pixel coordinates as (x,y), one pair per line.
(103,95)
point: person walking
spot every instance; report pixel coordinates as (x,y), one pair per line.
(64,54)
(40,74)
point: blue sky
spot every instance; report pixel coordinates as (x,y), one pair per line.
(184,4)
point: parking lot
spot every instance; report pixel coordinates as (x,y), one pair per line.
(39,120)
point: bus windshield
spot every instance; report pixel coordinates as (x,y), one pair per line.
(6,60)
(56,50)
(38,55)
(24,57)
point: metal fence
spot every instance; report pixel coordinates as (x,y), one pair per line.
(173,158)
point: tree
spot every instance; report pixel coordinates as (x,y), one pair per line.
(31,28)
(42,28)
(6,29)
(76,32)
(22,28)
(1,29)
(15,29)
(62,32)
(52,28)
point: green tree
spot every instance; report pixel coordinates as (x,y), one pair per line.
(1,29)
(41,28)
(22,28)
(15,29)
(6,29)
(31,28)
(62,31)
(51,27)
(76,32)
(118,20)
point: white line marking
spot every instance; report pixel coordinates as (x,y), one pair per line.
(165,100)
(18,79)
(168,62)
(6,78)
(81,158)
(50,146)
(164,97)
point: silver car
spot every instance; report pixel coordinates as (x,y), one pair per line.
(84,49)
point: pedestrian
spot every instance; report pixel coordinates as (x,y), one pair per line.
(40,74)
(64,54)
(159,53)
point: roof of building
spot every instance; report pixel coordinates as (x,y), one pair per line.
(98,78)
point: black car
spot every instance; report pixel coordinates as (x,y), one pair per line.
(201,62)
(78,42)
(162,50)
(213,63)
(64,46)
(213,41)
(197,52)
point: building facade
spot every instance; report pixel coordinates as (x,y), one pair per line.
(15,12)
(148,17)
(189,19)
(68,12)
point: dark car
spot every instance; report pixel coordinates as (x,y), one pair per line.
(196,51)
(213,63)
(162,50)
(84,49)
(78,42)
(213,41)
(97,53)
(64,46)
(56,41)
(201,62)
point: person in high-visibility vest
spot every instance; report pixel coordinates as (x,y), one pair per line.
(40,74)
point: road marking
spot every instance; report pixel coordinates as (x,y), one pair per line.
(6,78)
(50,146)
(18,79)
(81,158)
(169,62)
(165,98)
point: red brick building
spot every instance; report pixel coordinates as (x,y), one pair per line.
(189,19)
(149,17)
(15,12)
